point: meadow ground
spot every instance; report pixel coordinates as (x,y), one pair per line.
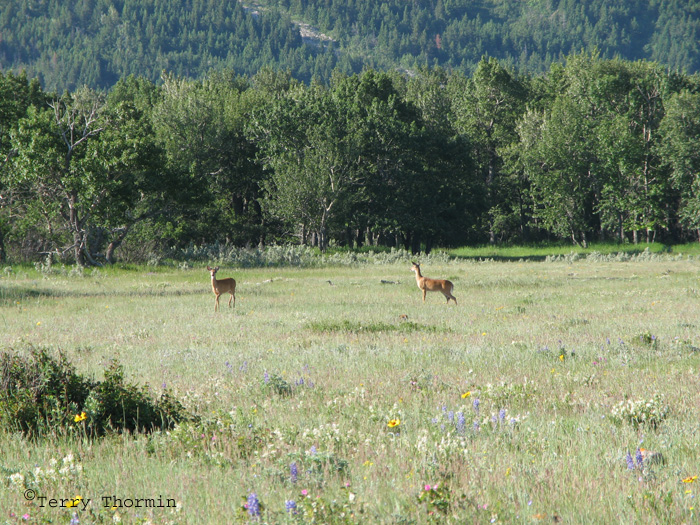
(334,395)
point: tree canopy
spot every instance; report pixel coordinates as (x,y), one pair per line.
(597,149)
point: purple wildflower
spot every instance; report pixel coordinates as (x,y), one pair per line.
(476,405)
(502,414)
(312,450)
(291,506)
(630,461)
(266,377)
(476,426)
(253,504)
(461,423)
(293,472)
(640,458)
(74,520)
(451,416)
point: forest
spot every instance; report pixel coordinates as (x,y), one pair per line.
(95,43)
(593,149)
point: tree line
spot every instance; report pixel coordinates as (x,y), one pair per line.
(97,42)
(595,149)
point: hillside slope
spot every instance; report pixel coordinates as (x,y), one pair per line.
(96,42)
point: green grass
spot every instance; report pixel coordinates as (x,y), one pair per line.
(557,345)
(541,251)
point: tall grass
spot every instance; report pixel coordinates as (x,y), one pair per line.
(336,393)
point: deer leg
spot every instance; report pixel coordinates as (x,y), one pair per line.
(216,306)
(424,291)
(233,298)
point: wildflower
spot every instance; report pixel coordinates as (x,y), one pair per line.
(304,492)
(640,458)
(466,395)
(502,414)
(293,472)
(80,417)
(253,504)
(266,377)
(630,461)
(75,520)
(476,405)
(291,506)
(427,487)
(312,450)
(25,517)
(476,426)
(394,423)
(561,357)
(461,423)
(689,479)
(17,479)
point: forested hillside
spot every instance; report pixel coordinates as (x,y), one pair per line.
(96,42)
(592,150)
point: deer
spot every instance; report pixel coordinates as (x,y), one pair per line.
(220,286)
(433,285)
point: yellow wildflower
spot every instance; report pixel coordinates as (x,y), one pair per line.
(394,423)
(80,417)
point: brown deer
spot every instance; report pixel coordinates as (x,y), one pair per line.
(433,285)
(220,286)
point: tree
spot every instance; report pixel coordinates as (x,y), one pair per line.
(486,109)
(201,127)
(75,160)
(312,159)
(680,148)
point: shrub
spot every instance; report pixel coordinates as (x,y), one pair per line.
(641,412)
(40,395)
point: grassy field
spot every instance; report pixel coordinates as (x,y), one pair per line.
(334,395)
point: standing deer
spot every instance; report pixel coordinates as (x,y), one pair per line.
(433,285)
(220,286)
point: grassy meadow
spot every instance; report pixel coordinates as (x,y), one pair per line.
(334,395)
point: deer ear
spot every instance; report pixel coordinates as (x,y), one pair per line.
(208,268)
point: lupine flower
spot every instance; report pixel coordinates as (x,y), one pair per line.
(294,472)
(253,504)
(266,377)
(291,506)
(476,426)
(461,423)
(451,416)
(312,450)
(630,461)
(640,458)
(74,520)
(502,414)
(476,405)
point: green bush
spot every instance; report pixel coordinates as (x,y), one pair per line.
(41,395)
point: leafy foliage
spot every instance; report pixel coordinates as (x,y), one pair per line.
(42,395)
